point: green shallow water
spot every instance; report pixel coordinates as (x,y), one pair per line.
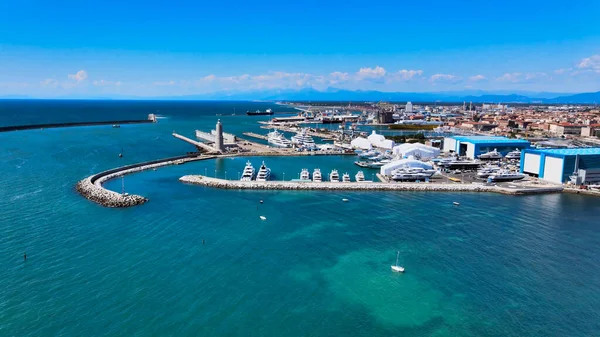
(495,266)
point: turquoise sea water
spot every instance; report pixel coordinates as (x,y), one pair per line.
(495,266)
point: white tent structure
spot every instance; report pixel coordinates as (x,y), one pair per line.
(380,141)
(416,150)
(361,143)
(387,169)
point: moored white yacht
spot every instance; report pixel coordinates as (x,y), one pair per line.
(334,176)
(516,154)
(278,139)
(304,175)
(506,176)
(263,173)
(303,139)
(412,173)
(346,177)
(487,171)
(248,173)
(360,176)
(317,176)
(492,155)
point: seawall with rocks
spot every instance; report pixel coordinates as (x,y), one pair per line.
(359,186)
(91,187)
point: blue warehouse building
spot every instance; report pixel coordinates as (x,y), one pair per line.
(580,166)
(473,146)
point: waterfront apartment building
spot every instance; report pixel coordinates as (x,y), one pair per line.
(562,129)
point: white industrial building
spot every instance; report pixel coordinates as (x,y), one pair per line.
(380,141)
(417,150)
(580,165)
(361,143)
(473,146)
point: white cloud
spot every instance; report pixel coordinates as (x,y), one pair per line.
(477,78)
(404,75)
(105,83)
(49,82)
(533,76)
(79,76)
(591,63)
(371,73)
(444,77)
(562,71)
(165,83)
(517,77)
(510,77)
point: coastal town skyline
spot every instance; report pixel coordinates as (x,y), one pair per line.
(133,50)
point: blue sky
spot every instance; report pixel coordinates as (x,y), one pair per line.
(156,48)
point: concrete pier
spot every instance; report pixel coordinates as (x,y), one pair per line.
(361,186)
(151,119)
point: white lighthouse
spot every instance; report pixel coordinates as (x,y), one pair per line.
(219,137)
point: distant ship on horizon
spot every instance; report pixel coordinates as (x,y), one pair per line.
(259,113)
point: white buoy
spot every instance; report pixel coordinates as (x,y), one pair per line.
(345,200)
(263,217)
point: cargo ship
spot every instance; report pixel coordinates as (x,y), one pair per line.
(259,113)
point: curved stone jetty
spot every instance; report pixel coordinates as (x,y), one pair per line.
(91,187)
(106,197)
(358,186)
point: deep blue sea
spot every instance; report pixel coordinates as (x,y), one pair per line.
(494,266)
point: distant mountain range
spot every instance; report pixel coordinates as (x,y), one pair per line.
(475,96)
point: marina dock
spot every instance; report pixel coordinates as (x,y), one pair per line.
(199,145)
(255,135)
(363,186)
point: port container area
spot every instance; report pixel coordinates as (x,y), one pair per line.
(473,146)
(581,166)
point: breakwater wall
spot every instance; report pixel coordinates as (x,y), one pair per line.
(66,125)
(91,187)
(358,186)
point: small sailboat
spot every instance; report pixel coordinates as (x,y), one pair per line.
(262,217)
(396,268)
(456,203)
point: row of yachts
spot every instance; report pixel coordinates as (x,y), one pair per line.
(301,140)
(495,155)
(264,173)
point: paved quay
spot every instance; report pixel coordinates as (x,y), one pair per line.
(364,186)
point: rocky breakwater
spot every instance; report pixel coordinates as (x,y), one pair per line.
(351,186)
(105,197)
(91,187)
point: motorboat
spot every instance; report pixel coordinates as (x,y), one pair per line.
(304,140)
(368,154)
(360,176)
(317,176)
(278,139)
(263,173)
(460,164)
(505,175)
(487,171)
(248,173)
(334,176)
(346,177)
(492,155)
(304,175)
(516,154)
(397,268)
